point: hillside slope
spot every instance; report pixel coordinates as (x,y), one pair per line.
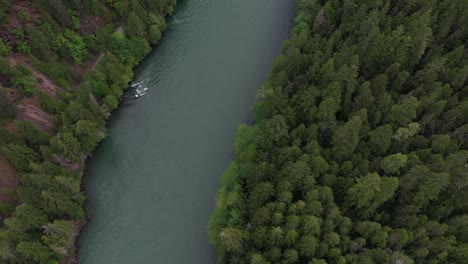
(63,67)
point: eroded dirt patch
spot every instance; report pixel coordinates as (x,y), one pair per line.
(30,111)
(47,85)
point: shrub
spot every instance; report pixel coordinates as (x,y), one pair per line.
(33,135)
(4,48)
(6,208)
(6,137)
(59,74)
(47,102)
(6,70)
(20,156)
(23,16)
(7,107)
(24,80)
(111,102)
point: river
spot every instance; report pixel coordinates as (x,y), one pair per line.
(151,185)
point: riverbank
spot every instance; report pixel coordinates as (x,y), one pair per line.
(81,223)
(359,148)
(64,116)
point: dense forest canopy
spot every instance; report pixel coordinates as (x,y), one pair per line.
(64,64)
(359,148)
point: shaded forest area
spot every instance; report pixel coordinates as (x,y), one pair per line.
(359,148)
(64,64)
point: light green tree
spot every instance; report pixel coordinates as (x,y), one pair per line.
(393,163)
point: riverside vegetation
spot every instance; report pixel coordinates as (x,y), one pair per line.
(71,60)
(358,151)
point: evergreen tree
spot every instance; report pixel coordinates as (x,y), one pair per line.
(358,155)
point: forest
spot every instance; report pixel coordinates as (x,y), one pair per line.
(359,147)
(64,64)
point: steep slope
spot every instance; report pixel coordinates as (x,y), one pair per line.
(63,67)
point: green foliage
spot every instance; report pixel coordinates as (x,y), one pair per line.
(371,191)
(24,80)
(23,16)
(154,34)
(6,208)
(60,75)
(4,49)
(231,239)
(20,156)
(7,137)
(156,28)
(39,42)
(6,70)
(135,26)
(89,134)
(23,47)
(34,251)
(402,114)
(47,102)
(30,217)
(346,138)
(67,145)
(41,228)
(393,163)
(406,132)
(7,107)
(102,39)
(59,236)
(130,51)
(358,149)
(33,135)
(71,44)
(18,32)
(111,102)
(4,8)
(58,10)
